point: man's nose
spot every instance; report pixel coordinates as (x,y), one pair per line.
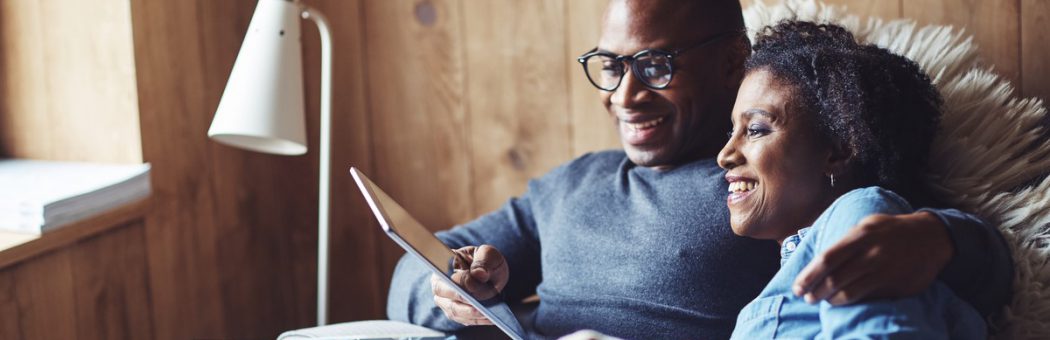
(631,91)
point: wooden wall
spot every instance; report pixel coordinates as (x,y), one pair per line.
(67,81)
(449,105)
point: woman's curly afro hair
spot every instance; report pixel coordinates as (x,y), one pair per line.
(876,107)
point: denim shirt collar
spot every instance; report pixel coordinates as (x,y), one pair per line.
(790,244)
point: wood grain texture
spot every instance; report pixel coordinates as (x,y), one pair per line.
(885,9)
(42,293)
(69,88)
(592,127)
(181,232)
(112,285)
(519,119)
(22,82)
(1035,48)
(414,57)
(9,326)
(994,25)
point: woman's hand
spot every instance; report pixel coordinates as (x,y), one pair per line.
(884,256)
(482,272)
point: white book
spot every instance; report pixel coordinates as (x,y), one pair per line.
(37,196)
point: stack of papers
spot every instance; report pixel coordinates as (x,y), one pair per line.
(38,196)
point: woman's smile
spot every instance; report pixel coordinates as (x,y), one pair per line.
(740,188)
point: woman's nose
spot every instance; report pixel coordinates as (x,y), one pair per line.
(729,157)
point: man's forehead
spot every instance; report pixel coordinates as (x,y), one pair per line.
(629,26)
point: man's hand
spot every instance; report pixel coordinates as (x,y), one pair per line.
(483,272)
(884,256)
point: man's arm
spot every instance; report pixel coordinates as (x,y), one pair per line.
(981,270)
(932,313)
(511,230)
(907,252)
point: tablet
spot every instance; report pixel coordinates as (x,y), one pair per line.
(427,248)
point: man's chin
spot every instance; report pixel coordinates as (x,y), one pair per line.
(645,157)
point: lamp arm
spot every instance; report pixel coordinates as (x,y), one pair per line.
(324,158)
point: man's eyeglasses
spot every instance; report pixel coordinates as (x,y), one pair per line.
(653,67)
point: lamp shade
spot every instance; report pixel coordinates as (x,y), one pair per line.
(262,106)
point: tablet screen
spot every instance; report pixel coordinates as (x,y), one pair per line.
(418,236)
(421,242)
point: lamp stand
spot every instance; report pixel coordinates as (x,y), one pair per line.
(324,158)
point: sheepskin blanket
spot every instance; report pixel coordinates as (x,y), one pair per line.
(991,156)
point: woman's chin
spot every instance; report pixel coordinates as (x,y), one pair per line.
(741,229)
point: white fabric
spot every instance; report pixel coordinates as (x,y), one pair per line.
(991,157)
(360,330)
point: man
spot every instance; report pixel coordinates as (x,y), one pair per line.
(637,243)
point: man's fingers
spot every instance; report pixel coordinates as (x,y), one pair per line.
(442,289)
(453,305)
(845,276)
(465,258)
(826,263)
(486,260)
(461,312)
(480,290)
(861,288)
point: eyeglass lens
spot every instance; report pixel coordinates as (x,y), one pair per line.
(653,69)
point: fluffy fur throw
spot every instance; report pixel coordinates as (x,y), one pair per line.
(991,156)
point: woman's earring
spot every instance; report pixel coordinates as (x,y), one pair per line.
(832,180)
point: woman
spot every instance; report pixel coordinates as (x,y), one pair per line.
(826,133)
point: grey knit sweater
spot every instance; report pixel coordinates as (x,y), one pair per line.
(635,253)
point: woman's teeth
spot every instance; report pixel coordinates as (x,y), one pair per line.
(644,125)
(742,186)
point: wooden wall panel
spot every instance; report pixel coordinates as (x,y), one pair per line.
(885,9)
(592,128)
(41,293)
(414,58)
(517,95)
(22,84)
(112,286)
(68,80)
(1035,48)
(994,24)
(9,326)
(181,231)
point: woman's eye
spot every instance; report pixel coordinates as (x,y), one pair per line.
(757,131)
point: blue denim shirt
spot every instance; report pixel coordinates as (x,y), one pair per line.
(777,313)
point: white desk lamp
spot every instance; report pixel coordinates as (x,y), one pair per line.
(262,107)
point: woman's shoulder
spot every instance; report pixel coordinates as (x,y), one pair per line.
(852,207)
(874,196)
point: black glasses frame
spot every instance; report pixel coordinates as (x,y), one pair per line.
(629,61)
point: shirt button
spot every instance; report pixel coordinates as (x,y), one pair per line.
(790,246)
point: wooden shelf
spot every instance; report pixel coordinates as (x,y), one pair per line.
(64,236)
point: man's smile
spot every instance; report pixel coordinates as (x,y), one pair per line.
(642,131)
